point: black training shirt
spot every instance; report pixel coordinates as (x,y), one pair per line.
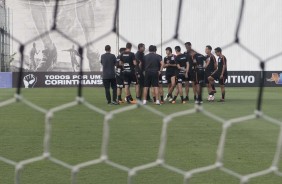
(210,67)
(108,61)
(152,62)
(222,61)
(170,60)
(127,58)
(198,61)
(189,58)
(119,68)
(140,59)
(181,59)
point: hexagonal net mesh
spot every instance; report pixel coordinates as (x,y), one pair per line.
(178,13)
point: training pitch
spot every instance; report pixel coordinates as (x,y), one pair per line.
(135,138)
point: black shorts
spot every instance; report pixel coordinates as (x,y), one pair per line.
(120,82)
(129,77)
(168,77)
(151,79)
(191,76)
(140,78)
(216,77)
(180,78)
(161,79)
(207,74)
(110,83)
(199,77)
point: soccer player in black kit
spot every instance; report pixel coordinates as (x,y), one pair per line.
(128,61)
(182,73)
(211,66)
(188,51)
(153,66)
(221,73)
(139,55)
(161,90)
(198,62)
(171,69)
(119,76)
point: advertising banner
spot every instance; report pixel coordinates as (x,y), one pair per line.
(91,79)
(6,80)
(51,57)
(57,79)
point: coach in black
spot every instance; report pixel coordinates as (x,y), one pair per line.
(153,66)
(108,61)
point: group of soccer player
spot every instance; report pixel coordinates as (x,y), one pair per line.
(145,72)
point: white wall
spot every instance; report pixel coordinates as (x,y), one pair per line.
(208,22)
(67,21)
(153,22)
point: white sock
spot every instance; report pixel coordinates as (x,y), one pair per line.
(144,102)
(157,102)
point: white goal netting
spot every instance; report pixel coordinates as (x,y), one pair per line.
(179,13)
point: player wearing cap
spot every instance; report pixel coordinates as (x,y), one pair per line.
(221,73)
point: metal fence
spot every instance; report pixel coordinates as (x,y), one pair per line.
(5,43)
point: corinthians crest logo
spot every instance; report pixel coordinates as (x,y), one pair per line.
(29,81)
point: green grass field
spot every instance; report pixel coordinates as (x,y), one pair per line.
(135,137)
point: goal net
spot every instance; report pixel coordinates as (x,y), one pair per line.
(247,31)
